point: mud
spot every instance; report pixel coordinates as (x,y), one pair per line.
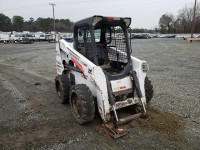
(32,118)
(104,132)
(164,123)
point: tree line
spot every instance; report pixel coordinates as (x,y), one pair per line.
(17,23)
(182,23)
(168,23)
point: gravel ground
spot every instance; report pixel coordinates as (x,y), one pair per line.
(32,118)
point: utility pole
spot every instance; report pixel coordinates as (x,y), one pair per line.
(193,20)
(52,4)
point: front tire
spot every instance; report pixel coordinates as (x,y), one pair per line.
(82,103)
(148,90)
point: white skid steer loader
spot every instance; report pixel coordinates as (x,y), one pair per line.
(97,68)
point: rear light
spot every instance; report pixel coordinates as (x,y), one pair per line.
(110,18)
(123,87)
(113,18)
(145,67)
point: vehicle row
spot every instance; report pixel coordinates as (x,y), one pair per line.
(27,37)
(148,35)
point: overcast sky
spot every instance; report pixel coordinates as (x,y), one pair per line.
(144,13)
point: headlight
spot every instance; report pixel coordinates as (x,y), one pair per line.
(145,67)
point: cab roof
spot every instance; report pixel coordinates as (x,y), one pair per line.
(94,20)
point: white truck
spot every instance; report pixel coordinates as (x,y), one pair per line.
(4,37)
(40,36)
(15,38)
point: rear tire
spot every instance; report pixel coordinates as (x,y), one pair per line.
(82,103)
(148,90)
(63,84)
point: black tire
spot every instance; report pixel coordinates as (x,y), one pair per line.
(63,85)
(148,90)
(82,103)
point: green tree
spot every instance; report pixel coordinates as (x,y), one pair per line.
(17,22)
(31,20)
(45,24)
(5,23)
(40,24)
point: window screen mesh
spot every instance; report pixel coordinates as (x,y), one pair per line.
(117,50)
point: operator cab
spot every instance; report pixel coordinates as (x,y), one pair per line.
(104,41)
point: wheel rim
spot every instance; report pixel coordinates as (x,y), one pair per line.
(76,106)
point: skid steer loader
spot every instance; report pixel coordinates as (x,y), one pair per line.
(97,68)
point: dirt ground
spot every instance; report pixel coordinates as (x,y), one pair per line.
(32,118)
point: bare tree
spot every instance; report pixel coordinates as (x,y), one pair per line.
(166,23)
(185,18)
(183,21)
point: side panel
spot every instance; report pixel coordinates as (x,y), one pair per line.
(91,75)
(98,86)
(137,66)
(99,80)
(81,79)
(59,65)
(68,53)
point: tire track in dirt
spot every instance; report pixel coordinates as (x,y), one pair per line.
(24,88)
(53,127)
(15,93)
(42,114)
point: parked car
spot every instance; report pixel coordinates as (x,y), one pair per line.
(24,39)
(31,37)
(40,37)
(140,36)
(170,36)
(134,36)
(179,36)
(162,36)
(155,36)
(189,36)
(186,37)
(70,37)
(15,38)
